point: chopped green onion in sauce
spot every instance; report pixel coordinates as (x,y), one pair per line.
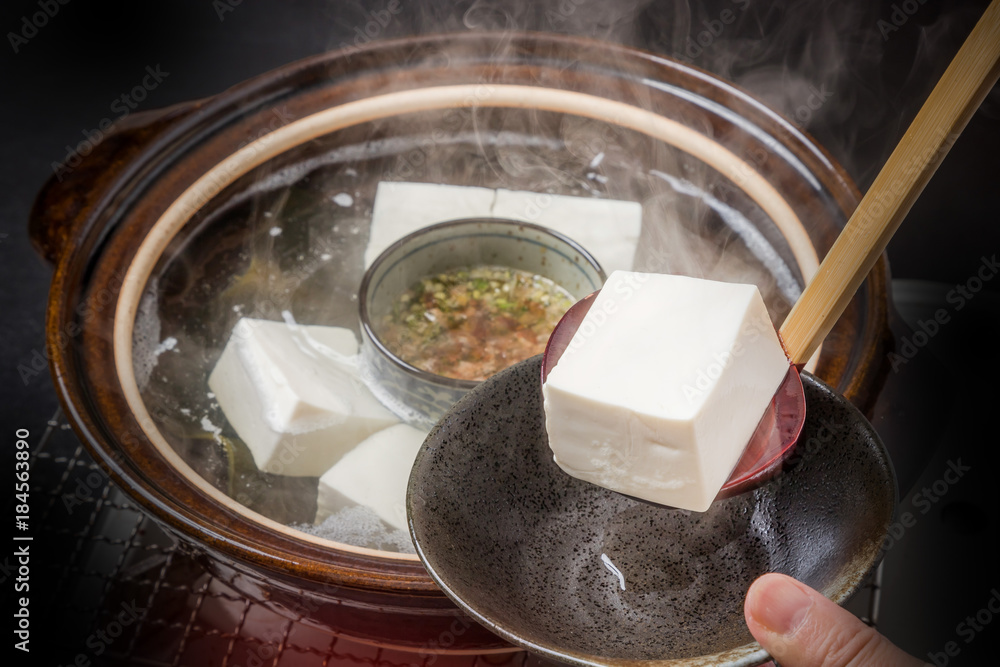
(470,323)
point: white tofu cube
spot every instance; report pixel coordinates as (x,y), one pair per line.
(294,395)
(607,228)
(403,208)
(373,474)
(662,386)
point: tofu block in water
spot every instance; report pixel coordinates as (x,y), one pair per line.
(662,386)
(607,228)
(294,395)
(374,474)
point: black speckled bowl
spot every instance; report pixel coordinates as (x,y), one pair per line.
(585,575)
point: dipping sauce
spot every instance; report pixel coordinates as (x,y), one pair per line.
(470,323)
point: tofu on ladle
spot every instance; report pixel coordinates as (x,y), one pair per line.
(662,386)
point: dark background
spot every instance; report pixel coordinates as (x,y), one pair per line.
(64,80)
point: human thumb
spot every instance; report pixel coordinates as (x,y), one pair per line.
(799,627)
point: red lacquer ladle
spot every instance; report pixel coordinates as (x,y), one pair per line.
(944,115)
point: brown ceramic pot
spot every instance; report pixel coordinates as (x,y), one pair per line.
(162,230)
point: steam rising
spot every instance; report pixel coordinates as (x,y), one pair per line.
(822,65)
(815,62)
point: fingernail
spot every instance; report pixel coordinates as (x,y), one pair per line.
(778,604)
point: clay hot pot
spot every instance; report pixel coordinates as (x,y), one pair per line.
(162,237)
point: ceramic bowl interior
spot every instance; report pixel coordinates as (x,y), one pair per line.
(420,397)
(591,577)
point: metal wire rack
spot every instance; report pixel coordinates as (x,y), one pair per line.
(128,593)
